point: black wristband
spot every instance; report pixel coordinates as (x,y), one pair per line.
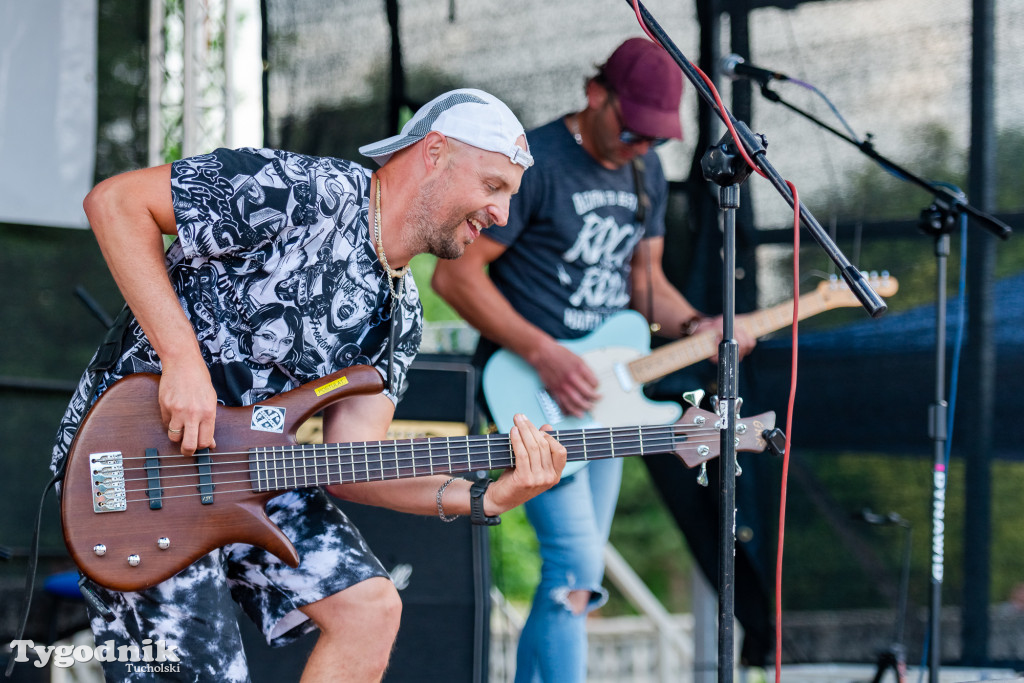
(476,504)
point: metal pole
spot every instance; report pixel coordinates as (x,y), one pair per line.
(937,431)
(229,67)
(155,151)
(980,353)
(729,200)
(189,102)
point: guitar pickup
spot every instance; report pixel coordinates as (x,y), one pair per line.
(154,491)
(625,378)
(549,406)
(205,476)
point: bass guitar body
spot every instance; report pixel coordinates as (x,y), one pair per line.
(134,511)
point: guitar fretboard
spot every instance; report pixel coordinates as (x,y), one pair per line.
(685,352)
(303,466)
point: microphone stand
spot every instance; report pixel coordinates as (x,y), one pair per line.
(942,194)
(938,220)
(727,350)
(894,657)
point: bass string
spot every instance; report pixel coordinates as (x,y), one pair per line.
(305,470)
(571,440)
(324,456)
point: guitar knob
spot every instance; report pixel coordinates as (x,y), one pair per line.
(134,560)
(100,549)
(163,543)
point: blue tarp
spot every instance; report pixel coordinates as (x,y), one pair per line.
(867,385)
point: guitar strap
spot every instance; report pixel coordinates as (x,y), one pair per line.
(643,204)
(396,309)
(106,356)
(643,201)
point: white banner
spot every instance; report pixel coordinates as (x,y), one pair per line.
(47,110)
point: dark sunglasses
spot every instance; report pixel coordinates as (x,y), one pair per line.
(628,137)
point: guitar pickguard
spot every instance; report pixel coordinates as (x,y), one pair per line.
(512,386)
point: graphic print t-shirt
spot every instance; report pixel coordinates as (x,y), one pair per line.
(571,233)
(276,269)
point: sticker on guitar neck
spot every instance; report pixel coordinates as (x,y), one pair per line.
(331,386)
(267,419)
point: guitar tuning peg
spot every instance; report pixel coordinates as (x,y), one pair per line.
(739,404)
(702,478)
(739,470)
(776,441)
(694,397)
(714,402)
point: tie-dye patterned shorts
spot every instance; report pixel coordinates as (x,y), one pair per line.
(193,611)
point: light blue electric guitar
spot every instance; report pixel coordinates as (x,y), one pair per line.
(619,353)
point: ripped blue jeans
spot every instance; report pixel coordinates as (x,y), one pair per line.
(572,521)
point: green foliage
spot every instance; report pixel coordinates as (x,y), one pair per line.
(840,579)
(122,81)
(871,194)
(1007,533)
(515,564)
(642,532)
(646,536)
(435,309)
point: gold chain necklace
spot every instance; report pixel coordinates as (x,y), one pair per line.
(391,272)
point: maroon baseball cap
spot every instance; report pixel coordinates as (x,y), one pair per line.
(649,87)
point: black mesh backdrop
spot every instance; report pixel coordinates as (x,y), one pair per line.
(898,71)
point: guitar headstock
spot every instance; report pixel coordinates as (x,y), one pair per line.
(837,294)
(702,431)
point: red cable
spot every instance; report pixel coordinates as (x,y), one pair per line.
(793,372)
(789,434)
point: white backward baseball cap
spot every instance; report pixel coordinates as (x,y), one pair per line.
(471,116)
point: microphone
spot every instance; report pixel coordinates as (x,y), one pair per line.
(735,67)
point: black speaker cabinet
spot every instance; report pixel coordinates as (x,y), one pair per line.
(442,570)
(443,575)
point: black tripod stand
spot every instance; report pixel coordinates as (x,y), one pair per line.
(729,200)
(948,207)
(894,657)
